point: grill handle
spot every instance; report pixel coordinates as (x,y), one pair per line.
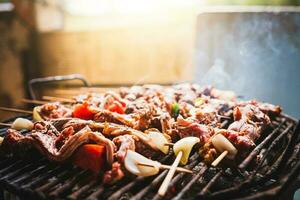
(51,79)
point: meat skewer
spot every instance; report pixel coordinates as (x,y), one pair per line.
(182,149)
(34,101)
(220,143)
(144,139)
(224,146)
(219,158)
(142,166)
(5,124)
(59,99)
(179,169)
(143,119)
(16,110)
(19,124)
(164,186)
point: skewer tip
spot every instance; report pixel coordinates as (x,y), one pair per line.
(219,158)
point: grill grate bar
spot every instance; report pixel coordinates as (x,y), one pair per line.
(127,187)
(99,189)
(16,172)
(11,167)
(210,183)
(191,182)
(250,157)
(292,143)
(69,183)
(152,185)
(87,184)
(97,193)
(259,147)
(229,192)
(43,179)
(274,143)
(51,171)
(291,177)
(39,169)
(53,182)
(179,176)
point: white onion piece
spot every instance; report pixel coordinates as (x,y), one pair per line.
(1,140)
(185,145)
(222,144)
(21,123)
(36,114)
(132,160)
(158,140)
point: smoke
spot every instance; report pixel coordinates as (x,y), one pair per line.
(255,54)
(217,76)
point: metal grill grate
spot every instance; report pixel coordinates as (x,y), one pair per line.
(275,173)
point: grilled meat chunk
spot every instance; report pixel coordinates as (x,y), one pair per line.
(124,143)
(116,173)
(54,110)
(57,147)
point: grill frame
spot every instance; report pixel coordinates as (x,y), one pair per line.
(13,178)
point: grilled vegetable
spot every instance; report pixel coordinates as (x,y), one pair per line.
(21,123)
(199,101)
(83,111)
(91,157)
(132,161)
(159,140)
(185,145)
(223,144)
(36,114)
(175,110)
(118,107)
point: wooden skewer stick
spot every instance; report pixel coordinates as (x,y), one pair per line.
(164,186)
(5,124)
(178,169)
(223,117)
(16,110)
(61,99)
(34,101)
(219,158)
(169,144)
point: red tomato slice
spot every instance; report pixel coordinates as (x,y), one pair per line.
(83,111)
(117,107)
(91,157)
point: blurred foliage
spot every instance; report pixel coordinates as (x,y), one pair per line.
(253,2)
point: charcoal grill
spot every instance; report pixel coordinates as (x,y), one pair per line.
(270,171)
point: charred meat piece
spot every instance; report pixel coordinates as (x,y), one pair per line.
(252,130)
(56,147)
(189,128)
(267,108)
(240,141)
(112,130)
(108,116)
(54,110)
(124,143)
(115,174)
(251,112)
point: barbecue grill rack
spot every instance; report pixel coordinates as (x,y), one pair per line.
(269,171)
